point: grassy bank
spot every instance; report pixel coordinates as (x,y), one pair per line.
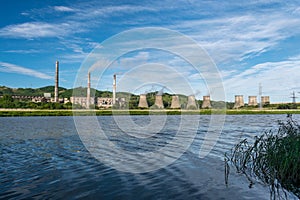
(273,159)
(33,112)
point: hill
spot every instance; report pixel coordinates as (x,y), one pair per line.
(29,91)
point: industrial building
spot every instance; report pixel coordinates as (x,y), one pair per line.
(143,101)
(238,101)
(191,104)
(252,101)
(175,102)
(265,100)
(159,101)
(206,102)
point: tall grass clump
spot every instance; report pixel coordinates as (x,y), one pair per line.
(273,159)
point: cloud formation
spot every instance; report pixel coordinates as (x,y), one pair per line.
(64,9)
(277,78)
(11,68)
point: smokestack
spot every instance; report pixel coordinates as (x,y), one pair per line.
(56,82)
(191,102)
(114,89)
(159,101)
(143,101)
(238,101)
(88,92)
(175,102)
(206,102)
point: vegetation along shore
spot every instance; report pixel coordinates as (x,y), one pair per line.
(69,112)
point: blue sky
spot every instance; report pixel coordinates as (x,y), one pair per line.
(251,42)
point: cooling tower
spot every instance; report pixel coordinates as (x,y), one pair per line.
(143,101)
(56,83)
(239,101)
(175,102)
(265,100)
(206,102)
(191,104)
(252,101)
(114,89)
(159,101)
(88,92)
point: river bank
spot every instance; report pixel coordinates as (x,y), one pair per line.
(35,112)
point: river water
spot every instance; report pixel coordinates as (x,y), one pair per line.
(44,157)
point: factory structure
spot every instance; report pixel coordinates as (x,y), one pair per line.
(106,102)
(252,101)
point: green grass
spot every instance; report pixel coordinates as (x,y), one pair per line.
(36,112)
(273,159)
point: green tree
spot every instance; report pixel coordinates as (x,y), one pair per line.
(7,101)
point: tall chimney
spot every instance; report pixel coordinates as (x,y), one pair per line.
(56,82)
(114,89)
(88,92)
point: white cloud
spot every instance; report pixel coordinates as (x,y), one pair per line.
(11,68)
(23,51)
(238,37)
(278,80)
(64,9)
(31,30)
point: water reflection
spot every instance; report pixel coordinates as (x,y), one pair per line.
(43,157)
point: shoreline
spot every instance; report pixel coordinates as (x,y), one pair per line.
(36,112)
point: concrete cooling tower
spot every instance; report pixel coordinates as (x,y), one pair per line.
(206,102)
(238,101)
(191,104)
(175,102)
(265,100)
(159,101)
(252,101)
(143,101)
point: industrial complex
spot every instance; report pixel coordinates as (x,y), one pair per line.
(107,102)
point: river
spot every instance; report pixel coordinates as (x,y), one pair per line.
(45,158)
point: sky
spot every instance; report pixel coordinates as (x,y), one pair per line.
(250,42)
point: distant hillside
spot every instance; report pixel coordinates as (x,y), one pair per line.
(81,91)
(63,92)
(28,91)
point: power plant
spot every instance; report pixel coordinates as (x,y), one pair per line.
(175,102)
(56,100)
(191,104)
(143,101)
(252,101)
(159,101)
(265,100)
(238,101)
(206,102)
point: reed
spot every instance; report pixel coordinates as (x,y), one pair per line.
(273,159)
